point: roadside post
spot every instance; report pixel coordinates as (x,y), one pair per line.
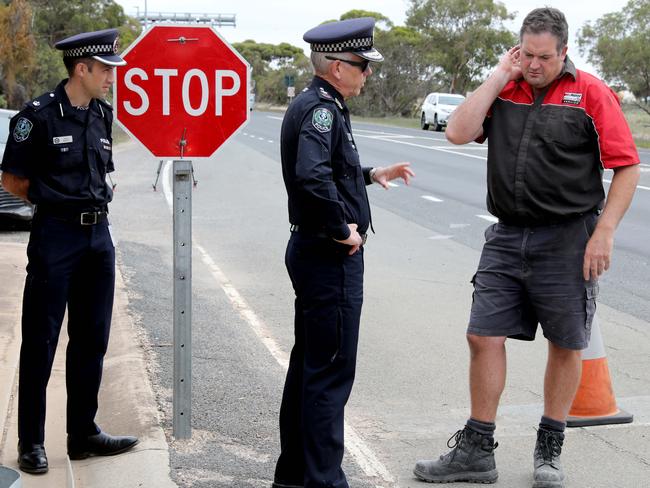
(182,94)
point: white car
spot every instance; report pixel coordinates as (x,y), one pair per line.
(11,207)
(437,108)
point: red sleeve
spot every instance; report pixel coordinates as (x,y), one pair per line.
(615,140)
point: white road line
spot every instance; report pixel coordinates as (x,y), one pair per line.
(261,138)
(431,199)
(274,117)
(355,445)
(458,226)
(434,148)
(393,185)
(489,218)
(270,140)
(440,237)
(167,190)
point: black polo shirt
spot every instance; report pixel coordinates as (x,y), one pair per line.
(325,182)
(546,155)
(64,152)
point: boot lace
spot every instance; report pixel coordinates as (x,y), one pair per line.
(549,445)
(457,438)
(463,436)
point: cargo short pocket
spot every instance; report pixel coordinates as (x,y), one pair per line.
(591,289)
(473,282)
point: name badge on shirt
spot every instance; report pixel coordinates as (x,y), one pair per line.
(572,98)
(62,139)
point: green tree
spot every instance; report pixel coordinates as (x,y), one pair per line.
(57,19)
(271,63)
(396,85)
(463,38)
(29,64)
(383,22)
(618,45)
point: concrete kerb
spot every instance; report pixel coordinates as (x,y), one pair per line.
(127,406)
(127,403)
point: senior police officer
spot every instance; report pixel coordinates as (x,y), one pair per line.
(57,157)
(330,215)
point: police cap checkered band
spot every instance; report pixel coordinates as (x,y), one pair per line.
(100,45)
(343,46)
(92,50)
(351,35)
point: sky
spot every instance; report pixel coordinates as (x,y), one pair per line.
(286,20)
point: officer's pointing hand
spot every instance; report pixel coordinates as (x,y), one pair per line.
(397,170)
(354,240)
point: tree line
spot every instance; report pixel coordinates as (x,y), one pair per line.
(445,45)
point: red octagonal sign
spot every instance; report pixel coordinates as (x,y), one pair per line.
(183,92)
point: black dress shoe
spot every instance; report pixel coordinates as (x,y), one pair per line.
(101,444)
(32,458)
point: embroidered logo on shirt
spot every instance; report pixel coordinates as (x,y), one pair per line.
(322,120)
(61,139)
(22,129)
(572,98)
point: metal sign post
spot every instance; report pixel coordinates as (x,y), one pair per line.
(182,398)
(162,93)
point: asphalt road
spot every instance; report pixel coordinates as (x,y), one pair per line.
(448,198)
(410,394)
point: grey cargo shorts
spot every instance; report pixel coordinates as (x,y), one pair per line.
(533,275)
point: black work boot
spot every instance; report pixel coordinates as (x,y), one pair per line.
(548,468)
(471,459)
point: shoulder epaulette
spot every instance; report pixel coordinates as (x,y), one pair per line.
(43,101)
(324,94)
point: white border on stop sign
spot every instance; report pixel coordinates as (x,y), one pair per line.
(248,88)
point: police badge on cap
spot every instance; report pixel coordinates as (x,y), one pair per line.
(352,35)
(100,45)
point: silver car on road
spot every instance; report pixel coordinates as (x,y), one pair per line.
(437,108)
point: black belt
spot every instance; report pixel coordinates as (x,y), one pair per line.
(88,217)
(321,234)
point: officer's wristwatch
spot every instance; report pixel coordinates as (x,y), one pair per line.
(372,175)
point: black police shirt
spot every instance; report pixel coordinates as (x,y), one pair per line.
(65,152)
(320,164)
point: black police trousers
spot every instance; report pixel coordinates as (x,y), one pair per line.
(329,293)
(74,265)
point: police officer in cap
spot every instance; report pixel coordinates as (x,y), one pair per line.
(330,215)
(57,156)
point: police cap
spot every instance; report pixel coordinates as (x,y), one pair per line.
(100,45)
(352,35)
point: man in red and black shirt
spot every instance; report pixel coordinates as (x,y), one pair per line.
(551,129)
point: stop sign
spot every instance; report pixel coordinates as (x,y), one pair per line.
(183,92)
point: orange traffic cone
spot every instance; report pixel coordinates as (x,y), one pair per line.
(594,403)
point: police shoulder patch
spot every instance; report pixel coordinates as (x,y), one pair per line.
(322,120)
(23,128)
